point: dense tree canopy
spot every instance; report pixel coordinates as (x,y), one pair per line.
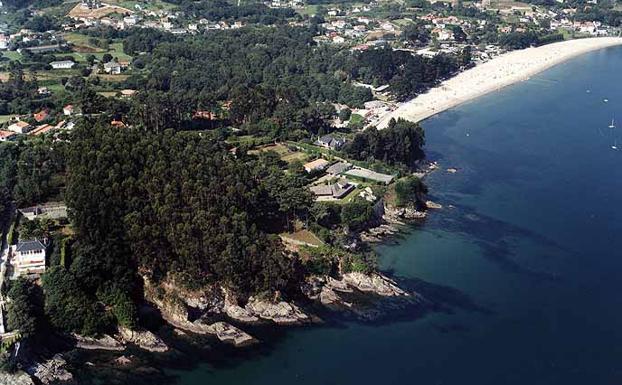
(401,143)
(179,203)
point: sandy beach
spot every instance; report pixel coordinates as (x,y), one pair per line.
(502,71)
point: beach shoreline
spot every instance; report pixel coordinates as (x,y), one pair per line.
(498,73)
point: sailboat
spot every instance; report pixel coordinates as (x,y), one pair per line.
(615,144)
(612,125)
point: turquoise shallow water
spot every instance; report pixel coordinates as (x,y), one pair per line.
(527,260)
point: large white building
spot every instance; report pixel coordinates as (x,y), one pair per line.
(63,64)
(20,127)
(29,257)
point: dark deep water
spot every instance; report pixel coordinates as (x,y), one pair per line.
(529,258)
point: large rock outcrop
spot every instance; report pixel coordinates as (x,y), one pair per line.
(230,334)
(374,283)
(143,339)
(51,371)
(105,342)
(282,312)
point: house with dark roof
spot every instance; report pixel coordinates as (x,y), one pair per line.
(338,168)
(29,257)
(332,191)
(331,142)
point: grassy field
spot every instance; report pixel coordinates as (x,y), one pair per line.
(12,55)
(303,236)
(284,152)
(148,5)
(82,43)
(5,118)
(356,119)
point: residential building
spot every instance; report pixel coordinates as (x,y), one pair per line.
(42,129)
(41,115)
(68,110)
(20,127)
(332,191)
(29,257)
(338,168)
(331,142)
(6,135)
(374,176)
(62,64)
(316,165)
(112,67)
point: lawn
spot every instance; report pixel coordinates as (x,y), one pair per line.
(5,118)
(12,55)
(294,156)
(82,41)
(301,237)
(356,119)
(151,5)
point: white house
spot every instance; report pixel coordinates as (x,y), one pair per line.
(68,110)
(112,67)
(63,64)
(20,127)
(29,257)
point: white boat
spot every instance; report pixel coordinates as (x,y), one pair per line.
(612,125)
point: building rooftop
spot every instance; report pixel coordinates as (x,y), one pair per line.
(30,245)
(316,164)
(338,168)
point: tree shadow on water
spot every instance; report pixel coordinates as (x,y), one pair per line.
(498,239)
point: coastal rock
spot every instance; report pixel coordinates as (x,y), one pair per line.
(329,297)
(211,300)
(241,314)
(280,312)
(144,339)
(374,283)
(105,342)
(230,334)
(124,360)
(19,378)
(396,214)
(312,287)
(51,371)
(433,205)
(324,290)
(235,311)
(337,285)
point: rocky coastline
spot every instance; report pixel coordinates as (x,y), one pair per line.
(217,313)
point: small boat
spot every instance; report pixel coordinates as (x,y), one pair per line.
(612,125)
(615,144)
(605,100)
